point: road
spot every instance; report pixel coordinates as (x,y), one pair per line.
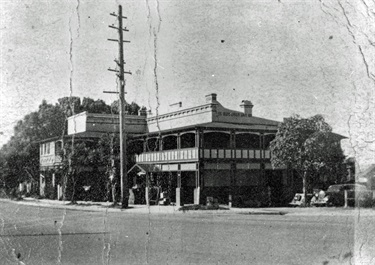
(37,235)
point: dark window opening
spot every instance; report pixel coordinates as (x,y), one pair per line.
(217,140)
(152,144)
(188,140)
(58,147)
(170,142)
(247,141)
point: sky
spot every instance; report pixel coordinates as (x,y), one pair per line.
(286,57)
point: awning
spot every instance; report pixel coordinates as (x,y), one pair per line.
(145,168)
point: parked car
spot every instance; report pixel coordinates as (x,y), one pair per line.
(319,199)
(299,199)
(358,195)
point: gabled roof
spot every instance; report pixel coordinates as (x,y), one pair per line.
(145,168)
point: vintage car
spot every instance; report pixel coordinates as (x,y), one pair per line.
(299,199)
(319,199)
(357,195)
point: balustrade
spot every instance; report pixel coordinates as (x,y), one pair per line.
(191,154)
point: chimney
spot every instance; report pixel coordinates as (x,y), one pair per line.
(211,98)
(247,107)
(176,106)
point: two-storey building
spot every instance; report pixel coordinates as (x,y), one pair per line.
(83,127)
(211,151)
(189,154)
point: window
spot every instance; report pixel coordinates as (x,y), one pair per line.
(58,147)
(187,140)
(247,141)
(170,142)
(216,140)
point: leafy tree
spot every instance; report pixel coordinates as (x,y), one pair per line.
(87,103)
(77,157)
(109,149)
(51,119)
(109,152)
(308,146)
(131,109)
(70,105)
(92,106)
(20,156)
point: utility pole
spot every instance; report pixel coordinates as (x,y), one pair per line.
(120,74)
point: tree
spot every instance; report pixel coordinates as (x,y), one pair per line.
(131,109)
(70,105)
(76,158)
(20,155)
(105,153)
(109,152)
(92,106)
(306,145)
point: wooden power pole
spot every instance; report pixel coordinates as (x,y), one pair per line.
(120,74)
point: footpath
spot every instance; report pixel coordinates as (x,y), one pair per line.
(170,209)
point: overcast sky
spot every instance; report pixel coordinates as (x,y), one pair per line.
(304,57)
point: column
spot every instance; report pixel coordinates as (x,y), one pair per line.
(198,183)
(179,191)
(42,182)
(54,186)
(160,139)
(232,140)
(53,179)
(147,192)
(232,183)
(262,162)
(178,141)
(144,145)
(197,138)
(199,145)
(59,192)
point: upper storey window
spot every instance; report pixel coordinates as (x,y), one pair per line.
(187,140)
(219,140)
(58,147)
(170,142)
(247,141)
(152,144)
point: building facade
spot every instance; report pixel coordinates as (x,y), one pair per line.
(210,151)
(191,155)
(83,127)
